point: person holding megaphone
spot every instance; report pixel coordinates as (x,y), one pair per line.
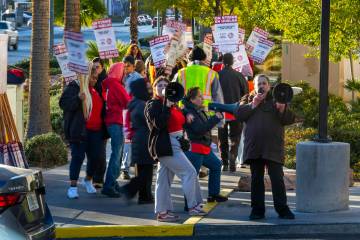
(166,145)
(265,114)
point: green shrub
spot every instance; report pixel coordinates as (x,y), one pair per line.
(46,150)
(25,65)
(294,135)
(56,114)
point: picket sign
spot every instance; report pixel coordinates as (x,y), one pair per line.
(261,50)
(157,49)
(255,35)
(62,57)
(207,47)
(105,38)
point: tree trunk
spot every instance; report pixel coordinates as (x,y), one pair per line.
(134,21)
(39,98)
(217,9)
(352,74)
(72,15)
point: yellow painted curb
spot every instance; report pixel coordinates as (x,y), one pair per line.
(208,207)
(181,230)
(125,231)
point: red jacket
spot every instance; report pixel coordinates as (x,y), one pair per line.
(115,95)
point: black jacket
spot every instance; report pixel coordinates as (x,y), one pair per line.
(159,139)
(139,144)
(98,86)
(233,84)
(199,130)
(74,121)
(264,131)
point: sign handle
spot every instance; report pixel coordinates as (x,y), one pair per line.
(82,80)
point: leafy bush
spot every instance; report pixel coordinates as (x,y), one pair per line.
(25,65)
(343,122)
(294,135)
(46,150)
(56,114)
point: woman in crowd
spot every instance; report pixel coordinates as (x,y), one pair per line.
(139,146)
(198,128)
(83,129)
(166,122)
(134,51)
(116,101)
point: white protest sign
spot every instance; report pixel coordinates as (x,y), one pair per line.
(76,51)
(261,50)
(170,53)
(255,35)
(241,36)
(207,47)
(157,48)
(240,58)
(63,60)
(228,48)
(226,30)
(105,38)
(189,38)
(4,60)
(172,27)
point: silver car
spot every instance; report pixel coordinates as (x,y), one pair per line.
(24,213)
(9,29)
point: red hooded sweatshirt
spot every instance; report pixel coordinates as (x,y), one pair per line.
(115,95)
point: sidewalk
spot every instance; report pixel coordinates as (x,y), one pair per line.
(96,215)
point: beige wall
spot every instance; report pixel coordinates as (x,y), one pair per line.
(297,67)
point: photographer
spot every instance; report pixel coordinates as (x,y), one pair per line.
(264,146)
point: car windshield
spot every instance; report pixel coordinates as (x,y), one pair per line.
(3,25)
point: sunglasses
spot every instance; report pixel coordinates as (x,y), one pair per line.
(162,85)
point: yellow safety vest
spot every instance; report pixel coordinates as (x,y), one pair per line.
(198,76)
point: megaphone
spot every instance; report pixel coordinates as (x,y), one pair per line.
(283,93)
(174,92)
(218,107)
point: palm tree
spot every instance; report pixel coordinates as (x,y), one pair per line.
(134,21)
(72,15)
(39,98)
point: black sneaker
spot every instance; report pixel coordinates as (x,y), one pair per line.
(97,185)
(203,174)
(232,168)
(225,168)
(256,216)
(217,198)
(110,192)
(287,215)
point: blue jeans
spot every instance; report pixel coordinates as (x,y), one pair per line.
(213,163)
(126,157)
(117,143)
(78,150)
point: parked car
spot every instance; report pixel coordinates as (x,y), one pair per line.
(24,213)
(29,23)
(154,22)
(141,20)
(9,29)
(9,17)
(27,16)
(148,19)
(127,21)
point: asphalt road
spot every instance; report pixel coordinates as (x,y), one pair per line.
(121,32)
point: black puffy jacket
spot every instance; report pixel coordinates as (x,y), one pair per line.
(74,121)
(199,130)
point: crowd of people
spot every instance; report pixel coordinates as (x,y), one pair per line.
(126,106)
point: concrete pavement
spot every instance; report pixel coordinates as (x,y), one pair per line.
(116,217)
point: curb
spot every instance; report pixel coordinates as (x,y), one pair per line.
(276,230)
(185,229)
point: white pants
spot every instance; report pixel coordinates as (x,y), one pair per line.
(240,158)
(178,165)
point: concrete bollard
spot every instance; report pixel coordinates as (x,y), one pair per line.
(322,176)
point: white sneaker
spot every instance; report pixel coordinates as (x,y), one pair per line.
(72,193)
(89,186)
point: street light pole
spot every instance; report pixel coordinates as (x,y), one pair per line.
(158,22)
(324,73)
